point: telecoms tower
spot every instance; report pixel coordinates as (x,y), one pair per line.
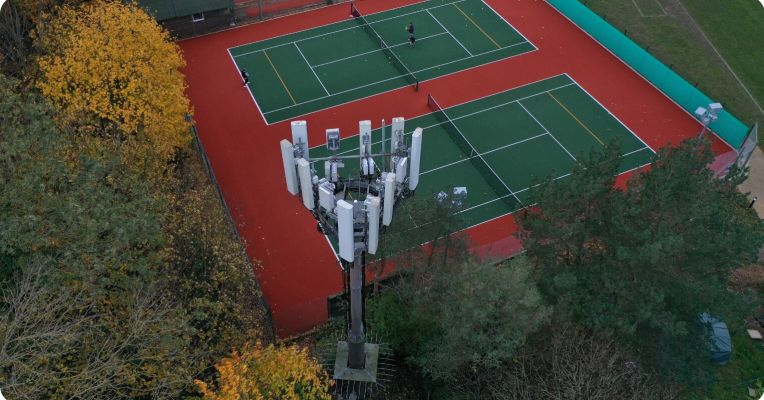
(352,209)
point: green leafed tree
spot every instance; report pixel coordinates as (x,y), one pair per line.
(462,319)
(642,262)
(82,315)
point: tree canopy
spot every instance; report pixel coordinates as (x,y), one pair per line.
(112,73)
(643,262)
(268,372)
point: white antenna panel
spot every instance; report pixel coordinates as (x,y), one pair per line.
(416,158)
(300,137)
(367,166)
(364,138)
(290,172)
(345,230)
(387,212)
(400,169)
(333,140)
(306,184)
(372,213)
(326,196)
(397,134)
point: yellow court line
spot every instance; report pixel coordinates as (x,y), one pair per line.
(279,76)
(577,120)
(476,25)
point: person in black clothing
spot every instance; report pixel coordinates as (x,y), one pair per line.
(410,30)
(245,76)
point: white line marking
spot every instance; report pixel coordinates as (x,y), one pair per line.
(476,112)
(236,67)
(740,82)
(507,22)
(608,111)
(311,68)
(375,50)
(484,153)
(639,75)
(393,78)
(339,30)
(651,15)
(449,32)
(547,130)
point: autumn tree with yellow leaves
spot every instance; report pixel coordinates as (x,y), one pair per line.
(285,373)
(114,75)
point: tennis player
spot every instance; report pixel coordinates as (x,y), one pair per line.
(410,30)
(245,76)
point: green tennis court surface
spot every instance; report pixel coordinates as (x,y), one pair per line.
(366,55)
(519,137)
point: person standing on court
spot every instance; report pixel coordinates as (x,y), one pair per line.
(245,76)
(410,30)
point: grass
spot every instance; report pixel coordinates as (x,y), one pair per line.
(735,29)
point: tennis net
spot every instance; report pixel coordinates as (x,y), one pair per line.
(490,176)
(397,63)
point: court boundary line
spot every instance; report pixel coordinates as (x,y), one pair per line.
(577,120)
(546,130)
(477,153)
(639,75)
(519,209)
(539,184)
(478,26)
(311,68)
(340,30)
(609,112)
(528,139)
(519,101)
(374,51)
(507,22)
(398,77)
(236,67)
(526,40)
(479,111)
(449,32)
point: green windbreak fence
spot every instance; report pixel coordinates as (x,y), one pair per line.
(686,95)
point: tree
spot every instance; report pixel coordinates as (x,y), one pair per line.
(15,43)
(644,262)
(464,320)
(208,273)
(567,362)
(270,372)
(101,249)
(114,75)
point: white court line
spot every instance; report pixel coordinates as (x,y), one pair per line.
(641,76)
(547,130)
(477,112)
(449,32)
(236,67)
(375,50)
(311,68)
(651,15)
(484,153)
(608,111)
(393,78)
(507,22)
(339,30)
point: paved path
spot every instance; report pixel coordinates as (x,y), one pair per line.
(754,185)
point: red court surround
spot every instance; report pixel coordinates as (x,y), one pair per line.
(297,269)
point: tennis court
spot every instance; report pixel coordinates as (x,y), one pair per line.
(501,145)
(311,70)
